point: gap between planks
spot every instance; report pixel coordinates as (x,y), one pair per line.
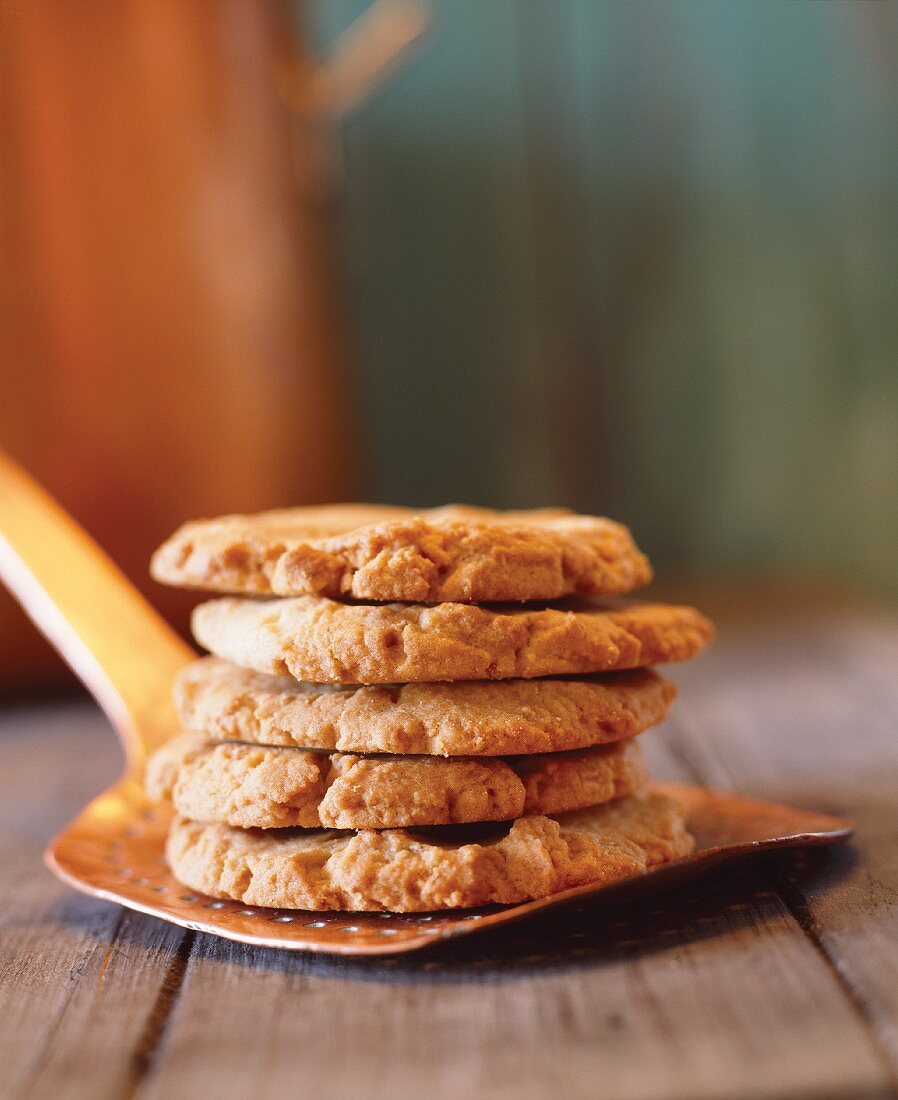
(151,1040)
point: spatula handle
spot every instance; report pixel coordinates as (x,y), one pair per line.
(119,647)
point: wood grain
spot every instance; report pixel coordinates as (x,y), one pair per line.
(674,1002)
(822,699)
(774,980)
(81,982)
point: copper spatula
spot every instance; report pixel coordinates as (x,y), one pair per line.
(126,655)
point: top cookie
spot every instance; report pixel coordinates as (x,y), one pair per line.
(376,552)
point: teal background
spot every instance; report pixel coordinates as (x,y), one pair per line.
(639,257)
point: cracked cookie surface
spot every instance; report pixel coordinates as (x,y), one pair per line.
(255,786)
(376,552)
(398,870)
(469,718)
(324,641)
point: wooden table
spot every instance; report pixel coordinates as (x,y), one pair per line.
(777,979)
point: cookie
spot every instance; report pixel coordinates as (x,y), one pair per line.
(317,639)
(374,552)
(474,718)
(256,786)
(401,871)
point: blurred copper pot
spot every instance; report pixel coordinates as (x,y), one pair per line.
(169,326)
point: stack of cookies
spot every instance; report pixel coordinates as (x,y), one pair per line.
(410,711)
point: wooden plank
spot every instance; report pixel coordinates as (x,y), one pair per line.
(709,993)
(805,711)
(84,985)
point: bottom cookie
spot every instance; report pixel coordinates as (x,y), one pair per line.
(444,867)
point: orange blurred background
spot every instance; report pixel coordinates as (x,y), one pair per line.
(166,267)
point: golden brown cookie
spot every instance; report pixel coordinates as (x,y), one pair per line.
(256,786)
(471,718)
(375,552)
(401,871)
(313,638)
